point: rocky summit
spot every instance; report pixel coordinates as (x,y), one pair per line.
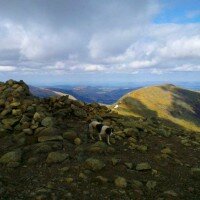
(46,153)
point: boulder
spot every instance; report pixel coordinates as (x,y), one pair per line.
(10,121)
(137,184)
(166,150)
(101,179)
(37,117)
(121,182)
(98,147)
(56,157)
(94,164)
(70,135)
(143,166)
(47,122)
(151,185)
(50,138)
(77,141)
(15,104)
(129,165)
(28,131)
(10,157)
(16,112)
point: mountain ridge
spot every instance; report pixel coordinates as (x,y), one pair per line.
(167,101)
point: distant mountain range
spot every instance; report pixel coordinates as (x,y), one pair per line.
(178,105)
(175,104)
(45,92)
(84,93)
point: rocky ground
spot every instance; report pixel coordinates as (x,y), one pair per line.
(45,152)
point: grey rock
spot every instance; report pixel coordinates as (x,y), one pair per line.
(56,157)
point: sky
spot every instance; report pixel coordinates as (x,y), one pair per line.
(99,42)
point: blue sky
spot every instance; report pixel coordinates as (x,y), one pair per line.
(179,11)
(100,42)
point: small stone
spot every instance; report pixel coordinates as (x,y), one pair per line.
(10,122)
(47,122)
(15,104)
(171,193)
(37,117)
(69,180)
(16,112)
(132,140)
(98,147)
(129,165)
(94,164)
(101,179)
(142,148)
(28,131)
(166,150)
(64,169)
(77,141)
(120,182)
(50,138)
(56,157)
(185,142)
(151,185)
(143,166)
(70,135)
(32,160)
(82,176)
(44,148)
(154,172)
(114,161)
(136,183)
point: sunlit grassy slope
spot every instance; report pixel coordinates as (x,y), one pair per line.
(169,102)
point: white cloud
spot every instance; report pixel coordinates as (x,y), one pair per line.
(58,66)
(93,68)
(7,68)
(142,64)
(181,47)
(118,36)
(187,68)
(156,71)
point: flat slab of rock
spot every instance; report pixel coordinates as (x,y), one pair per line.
(143,166)
(47,122)
(94,164)
(50,138)
(10,122)
(56,157)
(70,135)
(11,157)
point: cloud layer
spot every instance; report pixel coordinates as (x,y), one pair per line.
(66,36)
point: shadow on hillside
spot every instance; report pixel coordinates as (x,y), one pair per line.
(185,105)
(136,106)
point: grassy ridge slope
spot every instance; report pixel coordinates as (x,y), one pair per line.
(169,102)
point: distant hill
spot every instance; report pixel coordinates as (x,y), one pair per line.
(175,104)
(90,94)
(45,92)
